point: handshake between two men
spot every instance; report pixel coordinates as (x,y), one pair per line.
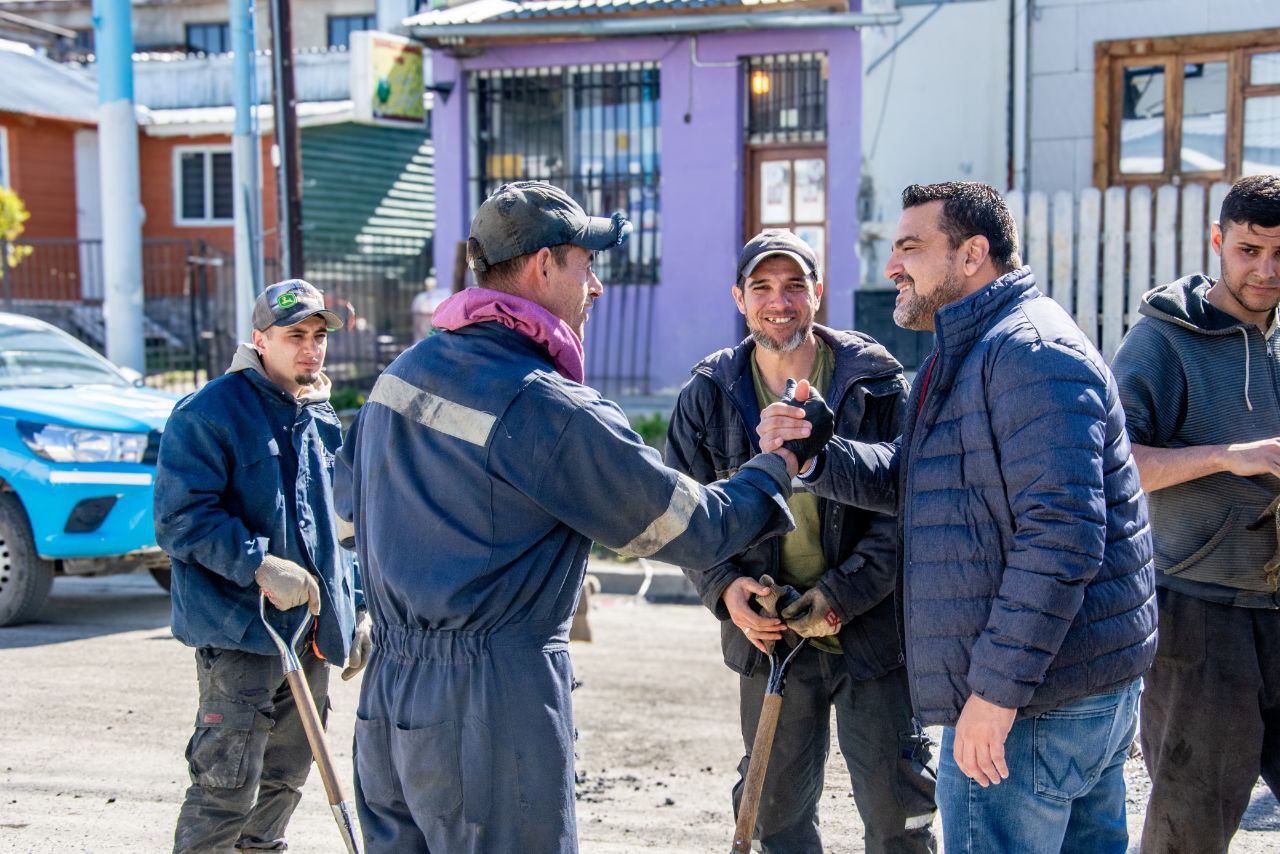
(796,428)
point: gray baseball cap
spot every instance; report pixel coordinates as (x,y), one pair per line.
(777,241)
(525,216)
(293,301)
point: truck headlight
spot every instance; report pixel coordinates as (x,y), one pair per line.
(60,444)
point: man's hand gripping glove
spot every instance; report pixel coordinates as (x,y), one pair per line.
(287,584)
(811,616)
(820,418)
(777,599)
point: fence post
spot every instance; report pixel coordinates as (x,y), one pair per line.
(1063,243)
(1038,237)
(1166,234)
(1087,253)
(1193,229)
(1113,257)
(1017,204)
(1139,252)
(1217,193)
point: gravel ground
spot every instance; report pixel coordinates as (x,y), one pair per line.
(99,699)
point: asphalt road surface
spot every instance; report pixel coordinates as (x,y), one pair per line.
(98,702)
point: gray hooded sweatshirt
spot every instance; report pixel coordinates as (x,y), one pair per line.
(1191,374)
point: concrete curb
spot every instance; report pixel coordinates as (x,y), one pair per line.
(666,583)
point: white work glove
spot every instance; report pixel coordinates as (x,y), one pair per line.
(361,646)
(811,616)
(287,584)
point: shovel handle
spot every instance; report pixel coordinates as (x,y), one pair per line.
(312,726)
(749,806)
(324,760)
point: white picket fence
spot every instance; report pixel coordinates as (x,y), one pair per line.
(1097,252)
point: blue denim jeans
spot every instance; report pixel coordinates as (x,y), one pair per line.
(1065,791)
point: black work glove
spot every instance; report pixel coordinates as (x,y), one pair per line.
(819,415)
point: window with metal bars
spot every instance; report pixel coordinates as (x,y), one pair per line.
(786,97)
(593,131)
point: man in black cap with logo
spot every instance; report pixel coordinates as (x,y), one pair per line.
(839,557)
(477,476)
(243,507)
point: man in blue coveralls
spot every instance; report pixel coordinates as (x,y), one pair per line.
(477,476)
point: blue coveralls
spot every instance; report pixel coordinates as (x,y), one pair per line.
(477,478)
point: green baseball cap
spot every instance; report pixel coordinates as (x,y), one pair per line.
(525,216)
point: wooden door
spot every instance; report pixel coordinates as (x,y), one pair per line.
(786,187)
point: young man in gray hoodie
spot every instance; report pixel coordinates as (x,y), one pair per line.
(1199,377)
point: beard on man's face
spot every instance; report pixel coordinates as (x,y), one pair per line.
(1250,302)
(787,345)
(307,378)
(916,312)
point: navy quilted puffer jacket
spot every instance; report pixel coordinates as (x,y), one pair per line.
(1026,573)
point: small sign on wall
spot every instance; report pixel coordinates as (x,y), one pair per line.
(387,80)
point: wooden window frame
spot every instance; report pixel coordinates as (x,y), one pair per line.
(1174,52)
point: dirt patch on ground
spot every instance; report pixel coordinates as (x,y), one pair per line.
(98,703)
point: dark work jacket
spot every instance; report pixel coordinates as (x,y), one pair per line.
(477,477)
(1027,573)
(713,432)
(246,470)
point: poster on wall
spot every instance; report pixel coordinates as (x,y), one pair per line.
(387,80)
(775,192)
(816,237)
(811,190)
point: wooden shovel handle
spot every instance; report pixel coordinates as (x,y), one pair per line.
(315,736)
(749,806)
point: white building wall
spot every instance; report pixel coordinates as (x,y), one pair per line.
(935,109)
(1063,34)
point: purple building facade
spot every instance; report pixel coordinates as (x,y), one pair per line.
(707,198)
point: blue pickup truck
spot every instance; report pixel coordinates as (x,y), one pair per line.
(78,445)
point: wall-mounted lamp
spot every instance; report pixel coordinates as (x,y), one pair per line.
(444,88)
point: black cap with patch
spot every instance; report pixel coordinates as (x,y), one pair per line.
(777,241)
(525,216)
(293,301)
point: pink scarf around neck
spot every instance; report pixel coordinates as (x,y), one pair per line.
(477,305)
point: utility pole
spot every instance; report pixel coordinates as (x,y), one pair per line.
(289,158)
(245,150)
(121,197)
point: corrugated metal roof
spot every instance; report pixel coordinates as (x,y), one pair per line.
(48,88)
(492,11)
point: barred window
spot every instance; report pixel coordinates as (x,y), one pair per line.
(786,98)
(593,131)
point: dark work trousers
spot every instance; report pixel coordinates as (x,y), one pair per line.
(249,755)
(888,757)
(1210,721)
(464,742)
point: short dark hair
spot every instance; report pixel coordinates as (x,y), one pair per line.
(968,209)
(1253,200)
(504,275)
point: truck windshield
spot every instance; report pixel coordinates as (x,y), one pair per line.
(39,358)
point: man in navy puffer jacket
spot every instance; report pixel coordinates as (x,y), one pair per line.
(1026,579)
